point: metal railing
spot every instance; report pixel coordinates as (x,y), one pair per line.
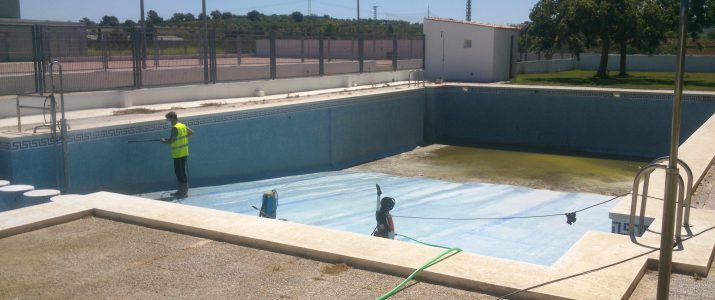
(102,58)
(64,150)
(685,190)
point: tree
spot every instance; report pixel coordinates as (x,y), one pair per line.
(128,25)
(177,18)
(109,21)
(202,16)
(626,32)
(576,32)
(254,15)
(216,15)
(297,16)
(87,22)
(153,18)
(542,35)
(227,15)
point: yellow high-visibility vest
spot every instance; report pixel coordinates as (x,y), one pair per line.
(180,147)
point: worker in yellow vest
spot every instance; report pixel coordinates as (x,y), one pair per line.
(179,142)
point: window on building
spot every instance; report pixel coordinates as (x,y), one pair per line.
(467,43)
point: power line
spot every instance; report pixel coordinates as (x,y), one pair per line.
(597,269)
(569,215)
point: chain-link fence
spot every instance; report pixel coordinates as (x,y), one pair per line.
(100,58)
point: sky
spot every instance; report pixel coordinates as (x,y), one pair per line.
(485,11)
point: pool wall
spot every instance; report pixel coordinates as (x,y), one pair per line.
(229,147)
(625,124)
(334,134)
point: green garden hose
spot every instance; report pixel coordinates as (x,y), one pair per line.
(430,263)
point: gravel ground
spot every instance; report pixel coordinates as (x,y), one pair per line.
(93,258)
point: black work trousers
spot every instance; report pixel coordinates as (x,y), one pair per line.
(180,169)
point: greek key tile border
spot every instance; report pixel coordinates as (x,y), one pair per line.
(25,143)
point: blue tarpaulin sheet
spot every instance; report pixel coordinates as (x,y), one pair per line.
(346,200)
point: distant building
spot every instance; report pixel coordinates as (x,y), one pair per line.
(63,39)
(10,9)
(469,51)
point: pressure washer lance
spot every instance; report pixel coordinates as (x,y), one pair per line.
(379,193)
(144,141)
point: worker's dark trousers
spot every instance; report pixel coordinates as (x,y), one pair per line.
(181,177)
(180,169)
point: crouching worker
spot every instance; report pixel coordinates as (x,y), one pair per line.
(385,226)
(179,142)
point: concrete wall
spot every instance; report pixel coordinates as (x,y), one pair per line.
(504,60)
(635,63)
(126,98)
(655,63)
(545,66)
(230,147)
(341,49)
(487,60)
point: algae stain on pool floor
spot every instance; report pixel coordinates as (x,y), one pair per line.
(537,170)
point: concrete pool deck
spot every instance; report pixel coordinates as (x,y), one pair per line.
(112,116)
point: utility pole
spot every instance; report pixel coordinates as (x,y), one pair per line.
(310,9)
(672,173)
(205,41)
(143,41)
(469,10)
(374,12)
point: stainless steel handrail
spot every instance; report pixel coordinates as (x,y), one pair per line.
(684,198)
(689,186)
(53,112)
(418,76)
(63,124)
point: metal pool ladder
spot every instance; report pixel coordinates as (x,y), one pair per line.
(63,128)
(684,197)
(418,76)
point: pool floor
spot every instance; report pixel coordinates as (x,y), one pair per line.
(346,200)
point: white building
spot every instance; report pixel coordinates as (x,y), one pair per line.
(469,51)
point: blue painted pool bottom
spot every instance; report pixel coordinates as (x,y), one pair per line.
(346,201)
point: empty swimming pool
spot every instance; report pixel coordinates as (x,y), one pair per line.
(346,201)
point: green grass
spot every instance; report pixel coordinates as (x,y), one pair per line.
(636,80)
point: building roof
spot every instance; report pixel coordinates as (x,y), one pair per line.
(473,23)
(37,22)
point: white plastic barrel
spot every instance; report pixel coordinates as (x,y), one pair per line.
(35,197)
(11,195)
(4,183)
